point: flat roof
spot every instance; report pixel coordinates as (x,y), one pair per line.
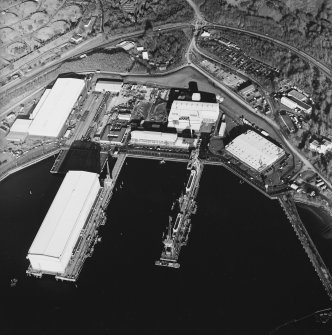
(193,109)
(152,136)
(40,103)
(108,85)
(255,150)
(300,103)
(66,217)
(297,95)
(56,107)
(20,126)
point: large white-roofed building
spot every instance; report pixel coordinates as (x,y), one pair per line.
(50,117)
(154,138)
(104,85)
(255,151)
(192,114)
(40,103)
(19,130)
(54,243)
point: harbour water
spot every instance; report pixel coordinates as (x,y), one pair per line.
(243,271)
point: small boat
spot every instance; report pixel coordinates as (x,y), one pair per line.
(241,181)
(162,161)
(13,282)
(30,192)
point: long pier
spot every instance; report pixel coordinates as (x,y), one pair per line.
(59,160)
(179,228)
(288,204)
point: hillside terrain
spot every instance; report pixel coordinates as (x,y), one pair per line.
(305,24)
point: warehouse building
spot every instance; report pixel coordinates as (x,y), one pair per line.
(19,130)
(104,85)
(50,117)
(154,138)
(255,151)
(40,104)
(297,95)
(247,90)
(192,114)
(296,105)
(57,237)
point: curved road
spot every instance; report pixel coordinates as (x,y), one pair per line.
(297,51)
(273,124)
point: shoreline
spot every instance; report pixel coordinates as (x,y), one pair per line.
(34,161)
(320,212)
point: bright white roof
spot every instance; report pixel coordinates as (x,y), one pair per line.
(107,85)
(288,102)
(56,108)
(137,135)
(65,218)
(255,150)
(20,126)
(40,103)
(193,109)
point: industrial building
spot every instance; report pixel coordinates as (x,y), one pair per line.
(321,147)
(19,130)
(296,105)
(297,95)
(255,151)
(104,85)
(287,122)
(126,45)
(247,90)
(153,138)
(222,129)
(59,233)
(192,114)
(40,104)
(53,111)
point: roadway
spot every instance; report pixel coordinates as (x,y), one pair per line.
(192,46)
(302,54)
(297,51)
(263,117)
(234,96)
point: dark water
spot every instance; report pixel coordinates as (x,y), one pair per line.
(243,271)
(319,226)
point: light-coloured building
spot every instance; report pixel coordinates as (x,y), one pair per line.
(40,104)
(288,103)
(54,243)
(145,55)
(205,34)
(247,90)
(19,130)
(222,129)
(297,95)
(255,151)
(321,147)
(191,114)
(296,105)
(126,45)
(104,85)
(154,138)
(50,118)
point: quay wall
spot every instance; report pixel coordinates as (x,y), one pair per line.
(15,168)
